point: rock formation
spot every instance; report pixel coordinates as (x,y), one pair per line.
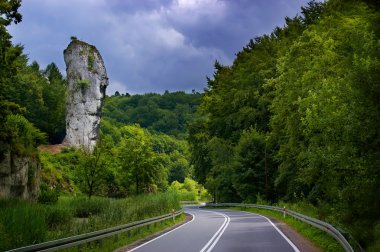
(87,82)
(19,176)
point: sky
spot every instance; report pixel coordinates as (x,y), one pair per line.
(149,45)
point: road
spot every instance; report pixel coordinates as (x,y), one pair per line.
(220,230)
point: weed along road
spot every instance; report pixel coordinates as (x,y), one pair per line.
(221,231)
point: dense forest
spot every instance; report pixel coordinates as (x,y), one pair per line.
(168,113)
(32,100)
(296,118)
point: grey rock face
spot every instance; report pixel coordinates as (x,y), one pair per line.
(87,82)
(19,176)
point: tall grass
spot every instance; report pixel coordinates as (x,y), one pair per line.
(21,224)
(24,223)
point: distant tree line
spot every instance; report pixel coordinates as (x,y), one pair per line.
(167,113)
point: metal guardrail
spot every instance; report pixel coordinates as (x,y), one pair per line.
(93,236)
(324,226)
(188,202)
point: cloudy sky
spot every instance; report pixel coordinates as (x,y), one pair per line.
(149,45)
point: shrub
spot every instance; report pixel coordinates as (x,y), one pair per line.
(48,195)
(187,196)
(91,60)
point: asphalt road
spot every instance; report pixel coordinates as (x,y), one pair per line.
(221,231)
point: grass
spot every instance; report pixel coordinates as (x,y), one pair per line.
(126,238)
(25,223)
(316,236)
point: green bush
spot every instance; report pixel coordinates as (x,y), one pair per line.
(187,196)
(48,195)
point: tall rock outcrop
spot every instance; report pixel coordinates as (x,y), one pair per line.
(87,82)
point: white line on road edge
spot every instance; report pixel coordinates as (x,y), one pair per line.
(282,234)
(163,234)
(212,242)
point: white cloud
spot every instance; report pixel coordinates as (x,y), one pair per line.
(191,12)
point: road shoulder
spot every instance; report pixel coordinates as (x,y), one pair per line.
(303,244)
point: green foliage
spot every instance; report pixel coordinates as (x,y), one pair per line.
(52,115)
(91,169)
(24,223)
(90,61)
(128,160)
(47,195)
(22,135)
(140,164)
(85,207)
(128,238)
(168,113)
(9,12)
(58,170)
(189,190)
(253,167)
(56,216)
(25,86)
(83,84)
(295,118)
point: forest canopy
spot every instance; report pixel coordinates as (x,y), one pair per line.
(295,118)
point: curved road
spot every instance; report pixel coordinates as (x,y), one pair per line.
(220,231)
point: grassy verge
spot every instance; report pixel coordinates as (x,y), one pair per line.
(126,238)
(25,223)
(316,236)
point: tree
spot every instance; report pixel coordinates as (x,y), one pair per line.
(139,163)
(254,172)
(92,169)
(8,53)
(52,114)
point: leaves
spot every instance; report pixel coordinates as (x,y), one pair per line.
(296,116)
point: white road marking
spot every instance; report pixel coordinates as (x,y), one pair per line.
(282,234)
(275,227)
(163,234)
(215,238)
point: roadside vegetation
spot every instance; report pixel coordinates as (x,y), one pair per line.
(190,191)
(295,118)
(23,223)
(127,238)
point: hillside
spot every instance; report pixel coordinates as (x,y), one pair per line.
(295,118)
(168,113)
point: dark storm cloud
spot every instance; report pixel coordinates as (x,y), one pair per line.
(150,45)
